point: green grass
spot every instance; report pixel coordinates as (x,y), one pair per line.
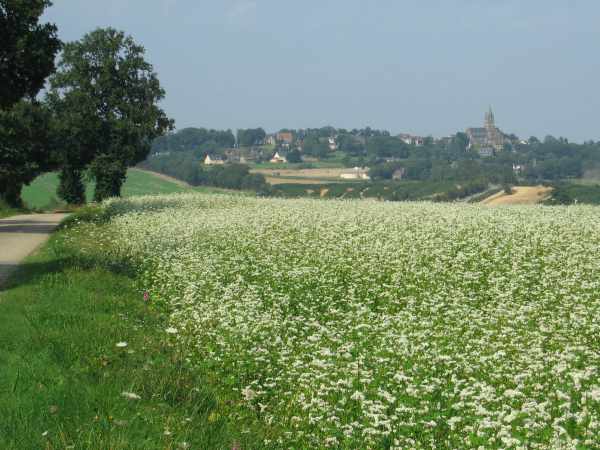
(6,211)
(62,375)
(41,194)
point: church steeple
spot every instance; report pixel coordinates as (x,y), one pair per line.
(489,119)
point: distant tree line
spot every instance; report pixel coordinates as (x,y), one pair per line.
(200,140)
(565,193)
(250,137)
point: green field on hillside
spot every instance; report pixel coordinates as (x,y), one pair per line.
(41,194)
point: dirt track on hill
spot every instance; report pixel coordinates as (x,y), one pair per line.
(523,195)
(20,236)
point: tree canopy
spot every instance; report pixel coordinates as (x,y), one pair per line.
(27,49)
(106,95)
(200,140)
(27,52)
(25,148)
(250,136)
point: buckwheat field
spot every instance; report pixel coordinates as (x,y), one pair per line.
(356,324)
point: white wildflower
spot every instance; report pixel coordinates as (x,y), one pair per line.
(130,396)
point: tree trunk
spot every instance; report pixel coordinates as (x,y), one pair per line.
(10,193)
(110,177)
(71,188)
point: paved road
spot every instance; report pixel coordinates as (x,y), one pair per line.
(21,235)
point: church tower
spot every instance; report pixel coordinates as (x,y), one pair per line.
(489,120)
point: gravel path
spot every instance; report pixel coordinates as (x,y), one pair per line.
(21,235)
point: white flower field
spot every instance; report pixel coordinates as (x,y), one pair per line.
(359,324)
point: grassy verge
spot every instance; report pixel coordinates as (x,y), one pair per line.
(6,211)
(64,381)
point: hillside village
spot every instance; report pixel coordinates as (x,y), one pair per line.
(487,141)
(479,161)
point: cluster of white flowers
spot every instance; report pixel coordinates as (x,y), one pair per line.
(361,324)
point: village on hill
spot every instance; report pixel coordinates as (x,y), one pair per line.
(470,165)
(487,141)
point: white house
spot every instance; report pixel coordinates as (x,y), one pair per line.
(214,161)
(358,173)
(409,139)
(278,159)
(332,144)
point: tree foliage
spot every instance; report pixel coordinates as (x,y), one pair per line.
(27,49)
(106,96)
(200,140)
(27,52)
(25,148)
(250,137)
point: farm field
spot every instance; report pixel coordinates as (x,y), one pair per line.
(332,163)
(522,195)
(360,324)
(302,176)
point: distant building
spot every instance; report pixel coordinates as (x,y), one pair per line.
(332,144)
(358,173)
(487,140)
(271,139)
(277,158)
(486,152)
(445,140)
(409,139)
(213,161)
(285,137)
(399,173)
(242,156)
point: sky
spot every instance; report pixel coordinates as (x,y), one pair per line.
(429,67)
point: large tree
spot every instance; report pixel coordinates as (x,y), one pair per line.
(27,53)
(106,96)
(27,49)
(25,148)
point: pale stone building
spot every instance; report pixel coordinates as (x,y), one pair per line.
(488,139)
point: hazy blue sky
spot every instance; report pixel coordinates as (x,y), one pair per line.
(422,66)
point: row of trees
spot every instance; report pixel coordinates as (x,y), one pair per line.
(251,136)
(99,114)
(201,140)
